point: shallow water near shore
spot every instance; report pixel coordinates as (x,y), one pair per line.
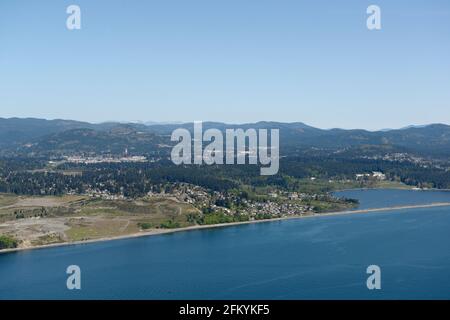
(316,258)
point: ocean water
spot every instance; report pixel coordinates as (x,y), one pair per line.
(312,258)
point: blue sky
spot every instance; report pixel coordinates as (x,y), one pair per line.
(233,61)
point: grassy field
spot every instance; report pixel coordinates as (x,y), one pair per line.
(393,185)
(43,220)
(104,218)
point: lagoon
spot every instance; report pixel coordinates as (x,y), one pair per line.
(315,258)
(383,198)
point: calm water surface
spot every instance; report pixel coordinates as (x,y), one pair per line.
(382,198)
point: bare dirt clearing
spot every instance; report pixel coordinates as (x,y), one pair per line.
(20,202)
(45,220)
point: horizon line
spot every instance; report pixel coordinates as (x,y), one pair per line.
(150,123)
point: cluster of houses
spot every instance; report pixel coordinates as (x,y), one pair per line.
(374,175)
(183,192)
(102,194)
(398,157)
(202,198)
(105,159)
(277,209)
(406,157)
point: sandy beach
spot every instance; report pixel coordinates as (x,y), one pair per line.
(222,225)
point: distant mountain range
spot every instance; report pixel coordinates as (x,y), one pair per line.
(30,135)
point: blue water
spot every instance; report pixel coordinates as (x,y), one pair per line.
(313,258)
(382,198)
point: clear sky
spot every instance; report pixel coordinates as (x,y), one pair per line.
(227,60)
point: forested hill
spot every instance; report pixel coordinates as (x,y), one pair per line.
(39,135)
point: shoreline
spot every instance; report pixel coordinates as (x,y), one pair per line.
(157,232)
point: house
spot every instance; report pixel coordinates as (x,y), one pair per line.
(379,175)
